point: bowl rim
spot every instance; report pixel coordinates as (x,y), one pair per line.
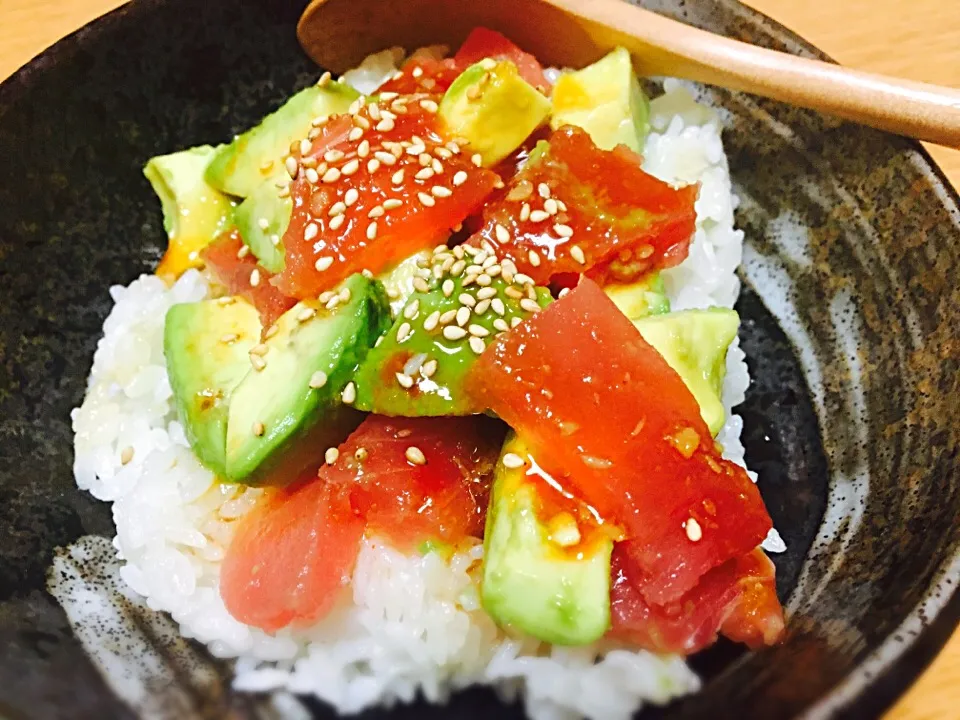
(877,682)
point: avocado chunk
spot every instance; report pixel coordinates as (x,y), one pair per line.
(418,368)
(262,220)
(194,213)
(398,280)
(606,100)
(540,575)
(206,345)
(694,343)
(257,155)
(493,108)
(640,299)
(291,407)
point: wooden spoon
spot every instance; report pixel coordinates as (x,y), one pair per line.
(338,34)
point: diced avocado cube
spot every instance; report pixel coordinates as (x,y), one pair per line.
(606,100)
(206,345)
(291,407)
(640,299)
(242,166)
(493,108)
(540,575)
(398,281)
(694,343)
(193,212)
(262,220)
(418,368)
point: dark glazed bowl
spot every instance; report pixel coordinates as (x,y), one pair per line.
(851,321)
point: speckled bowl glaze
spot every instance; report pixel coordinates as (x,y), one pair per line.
(851,321)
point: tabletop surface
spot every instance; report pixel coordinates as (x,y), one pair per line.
(922,43)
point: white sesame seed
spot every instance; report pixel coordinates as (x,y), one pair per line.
(355,106)
(694,531)
(481,307)
(331,455)
(331,175)
(477,159)
(405,380)
(460,178)
(538,216)
(534,258)
(477,345)
(425,159)
(361,122)
(292,166)
(500,324)
(243,252)
(467,299)
(563,293)
(426,200)
(463,315)
(371,231)
(258,362)
(515,320)
(388,96)
(564,231)
(424,173)
(376,211)
(502,234)
(433,319)
(397,177)
(428,368)
(373,165)
(529,305)
(512,461)
(338,208)
(420,285)
(259,429)
(392,203)
(429,106)
(478,330)
(522,279)
(374,111)
(271,331)
(332,302)
(255,277)
(483,280)
(313,177)
(543,190)
(351,196)
(344,295)
(318,379)
(437,166)
(441,192)
(413,454)
(551,206)
(305,147)
(355,134)
(577,254)
(323,263)
(525,212)
(486,293)
(351,167)
(333,155)
(337,222)
(305,314)
(512,292)
(452,332)
(311,231)
(385,157)
(385,125)
(363,149)
(349,394)
(498,307)
(126,455)
(324,79)
(404,332)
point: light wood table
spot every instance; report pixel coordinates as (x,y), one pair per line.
(918,40)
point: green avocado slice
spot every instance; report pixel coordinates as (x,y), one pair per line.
(292,405)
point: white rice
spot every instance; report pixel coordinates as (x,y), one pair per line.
(413,624)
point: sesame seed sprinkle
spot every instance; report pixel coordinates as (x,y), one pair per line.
(351,196)
(243,252)
(448,317)
(428,368)
(344,295)
(259,429)
(500,324)
(478,330)
(332,156)
(292,166)
(363,149)
(318,379)
(420,285)
(577,254)
(447,287)
(551,206)
(349,394)
(258,362)
(515,320)
(503,235)
(467,299)
(385,157)
(538,216)
(305,314)
(414,454)
(477,159)
(255,277)
(433,319)
(525,212)
(313,177)
(694,531)
(463,315)
(397,177)
(372,231)
(562,230)
(337,222)
(405,380)
(543,190)
(338,208)
(404,332)
(323,263)
(426,200)
(373,165)
(533,258)
(477,345)
(392,203)
(331,455)
(305,146)
(351,167)
(376,211)
(310,232)
(331,175)
(355,134)
(498,307)
(424,174)
(126,455)
(452,332)
(486,293)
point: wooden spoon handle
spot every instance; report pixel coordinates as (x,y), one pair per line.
(666,47)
